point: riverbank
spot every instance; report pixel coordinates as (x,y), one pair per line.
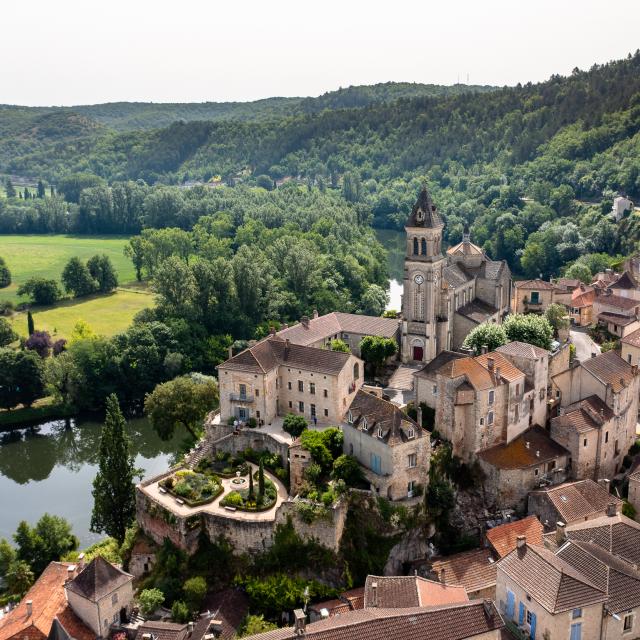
(42,410)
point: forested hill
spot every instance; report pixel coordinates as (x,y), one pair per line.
(131,116)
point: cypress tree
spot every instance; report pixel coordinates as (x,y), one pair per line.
(251,493)
(261,481)
(114,503)
(30,324)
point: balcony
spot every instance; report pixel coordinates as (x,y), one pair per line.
(240,397)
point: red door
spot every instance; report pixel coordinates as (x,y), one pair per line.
(418,353)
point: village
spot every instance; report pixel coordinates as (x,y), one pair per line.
(546,438)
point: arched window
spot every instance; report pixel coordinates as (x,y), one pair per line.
(350,418)
(415,246)
(356,370)
(423,243)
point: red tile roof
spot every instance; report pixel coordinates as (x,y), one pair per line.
(535,285)
(393,592)
(610,368)
(633,338)
(474,570)
(523,350)
(503,537)
(585,415)
(48,602)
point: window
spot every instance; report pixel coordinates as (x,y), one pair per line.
(312,409)
(300,386)
(481,422)
(289,385)
(410,488)
(243,390)
(350,417)
(511,605)
(536,472)
(492,396)
(435,389)
(490,417)
(415,246)
(376,463)
(301,407)
(576,631)
(365,424)
(312,388)
(576,613)
(380,433)
(627,625)
(114,598)
(326,393)
(356,371)
(423,247)
(290,404)
(606,436)
(517,412)
(258,415)
(518,389)
(411,433)
(584,442)
(629,358)
(242,413)
(535,297)
(412,460)
(326,413)
(257,393)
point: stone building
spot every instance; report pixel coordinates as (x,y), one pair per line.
(572,502)
(514,469)
(581,307)
(546,597)
(634,490)
(630,348)
(392,449)
(319,331)
(616,383)
(100,595)
(532,296)
(445,296)
(276,377)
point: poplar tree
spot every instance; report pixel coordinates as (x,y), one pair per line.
(251,492)
(114,504)
(261,481)
(30,325)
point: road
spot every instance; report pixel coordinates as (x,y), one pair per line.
(585,346)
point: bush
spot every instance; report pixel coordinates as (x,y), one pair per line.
(628,510)
(180,612)
(150,600)
(252,423)
(40,342)
(41,290)
(194,591)
(233,499)
(348,469)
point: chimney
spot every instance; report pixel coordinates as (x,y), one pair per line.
(305,321)
(498,374)
(521,544)
(80,562)
(374,594)
(29,608)
(190,628)
(71,572)
(604,482)
(537,453)
(442,576)
(287,345)
(300,622)
(612,509)
(230,353)
(315,314)
(490,364)
(487,605)
(561,533)
(484,349)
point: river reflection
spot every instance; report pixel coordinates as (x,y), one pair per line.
(51,468)
(395,244)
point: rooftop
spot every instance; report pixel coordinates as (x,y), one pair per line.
(535,285)
(424,212)
(395,592)
(585,415)
(503,537)
(380,414)
(610,368)
(477,311)
(549,580)
(429,370)
(312,330)
(98,579)
(523,350)
(48,603)
(531,448)
(632,339)
(569,284)
(619,302)
(579,500)
(465,249)
(453,622)
(616,318)
(347,601)
(626,281)
(583,298)
(274,351)
(474,570)
(162,630)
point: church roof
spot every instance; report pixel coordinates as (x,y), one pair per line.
(465,249)
(424,213)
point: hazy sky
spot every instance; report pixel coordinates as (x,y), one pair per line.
(88,51)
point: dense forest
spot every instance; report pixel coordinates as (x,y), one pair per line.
(532,168)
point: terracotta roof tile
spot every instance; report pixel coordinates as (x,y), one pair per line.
(430,369)
(465,249)
(535,285)
(517,455)
(616,318)
(229,606)
(393,592)
(453,622)
(585,415)
(579,500)
(162,630)
(474,570)
(619,302)
(549,580)
(508,371)
(347,601)
(611,369)
(581,299)
(48,602)
(633,338)
(503,537)
(522,350)
(626,281)
(568,284)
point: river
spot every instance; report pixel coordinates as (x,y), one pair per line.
(395,244)
(50,468)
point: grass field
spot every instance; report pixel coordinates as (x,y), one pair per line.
(106,315)
(46,255)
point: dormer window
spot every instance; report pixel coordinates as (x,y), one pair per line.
(411,433)
(365,425)
(380,433)
(350,417)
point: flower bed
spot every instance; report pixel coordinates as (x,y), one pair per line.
(239,498)
(194,487)
(224,465)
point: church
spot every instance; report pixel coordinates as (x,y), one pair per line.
(446,295)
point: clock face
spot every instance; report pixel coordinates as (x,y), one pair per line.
(419,279)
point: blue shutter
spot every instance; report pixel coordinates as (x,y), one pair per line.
(576,631)
(511,605)
(532,633)
(521,614)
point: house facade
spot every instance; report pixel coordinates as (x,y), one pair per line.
(275,377)
(532,296)
(391,448)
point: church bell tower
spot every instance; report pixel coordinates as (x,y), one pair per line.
(423,265)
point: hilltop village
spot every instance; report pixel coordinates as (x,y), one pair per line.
(501,474)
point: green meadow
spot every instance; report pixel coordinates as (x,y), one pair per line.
(46,255)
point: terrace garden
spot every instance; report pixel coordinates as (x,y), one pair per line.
(194,487)
(254,493)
